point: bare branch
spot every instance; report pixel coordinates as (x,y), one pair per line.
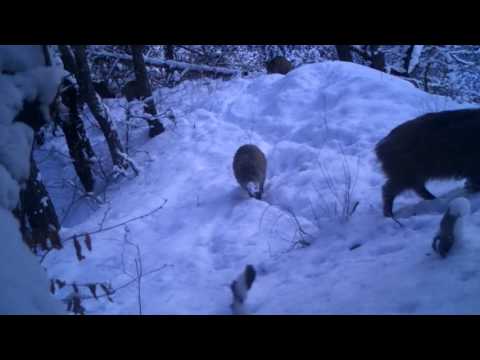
(107,228)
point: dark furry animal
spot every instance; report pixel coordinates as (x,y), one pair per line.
(451,226)
(131,91)
(279,65)
(444,240)
(102,89)
(439,145)
(240,288)
(249,167)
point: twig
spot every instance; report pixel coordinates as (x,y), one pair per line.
(138,267)
(120,224)
(123,286)
(302,233)
(105,214)
(398,222)
(107,228)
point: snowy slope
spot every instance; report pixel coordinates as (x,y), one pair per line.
(318,126)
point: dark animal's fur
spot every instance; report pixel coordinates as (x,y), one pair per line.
(102,89)
(239,291)
(250,165)
(250,275)
(279,65)
(131,91)
(433,146)
(445,238)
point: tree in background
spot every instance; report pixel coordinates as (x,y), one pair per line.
(99,112)
(155,127)
(344,53)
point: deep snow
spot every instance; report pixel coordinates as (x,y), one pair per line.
(24,283)
(317,126)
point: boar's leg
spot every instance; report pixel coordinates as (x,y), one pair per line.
(390,190)
(472,184)
(422,191)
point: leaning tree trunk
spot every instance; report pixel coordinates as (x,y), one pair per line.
(78,144)
(344,53)
(68,59)
(408,58)
(87,90)
(155,127)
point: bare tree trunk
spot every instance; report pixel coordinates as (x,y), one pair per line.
(145,90)
(72,125)
(68,59)
(344,53)
(78,144)
(425,77)
(406,63)
(408,58)
(87,90)
(169,52)
(377,58)
(169,55)
(46,55)
(372,55)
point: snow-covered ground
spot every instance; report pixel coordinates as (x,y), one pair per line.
(317,126)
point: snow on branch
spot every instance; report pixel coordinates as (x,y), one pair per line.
(171,64)
(461,61)
(415,58)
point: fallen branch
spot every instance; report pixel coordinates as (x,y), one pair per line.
(172,64)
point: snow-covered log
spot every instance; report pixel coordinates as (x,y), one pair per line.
(173,65)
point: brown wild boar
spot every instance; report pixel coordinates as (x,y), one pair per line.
(443,145)
(279,65)
(249,167)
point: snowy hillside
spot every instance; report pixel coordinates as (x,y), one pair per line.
(318,238)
